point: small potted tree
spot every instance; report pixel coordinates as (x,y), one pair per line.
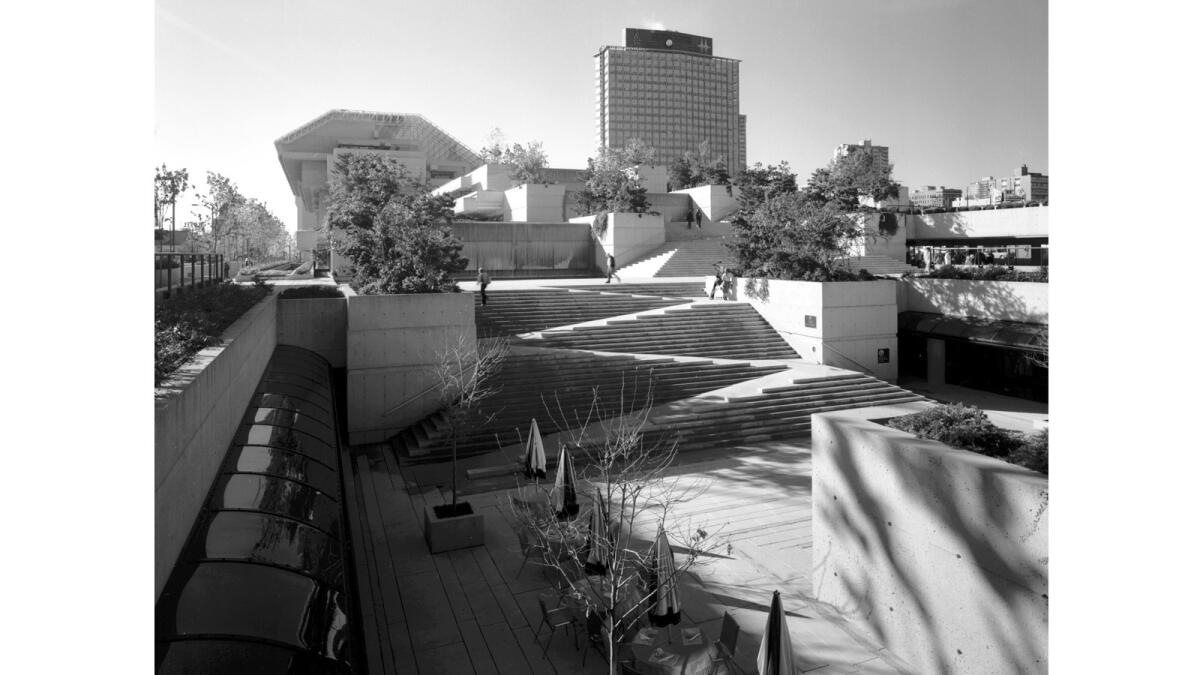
(464,376)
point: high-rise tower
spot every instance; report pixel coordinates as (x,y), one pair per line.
(668,89)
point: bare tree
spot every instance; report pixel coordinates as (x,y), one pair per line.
(626,460)
(464,373)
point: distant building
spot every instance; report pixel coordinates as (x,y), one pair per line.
(931,197)
(669,90)
(879,153)
(1025,185)
(308,154)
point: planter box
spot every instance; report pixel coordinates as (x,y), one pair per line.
(449,534)
(942,554)
(627,236)
(534,203)
(845,324)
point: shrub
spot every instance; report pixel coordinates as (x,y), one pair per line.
(968,428)
(989,273)
(303,292)
(187,322)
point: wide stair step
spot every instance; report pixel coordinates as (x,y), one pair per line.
(721,330)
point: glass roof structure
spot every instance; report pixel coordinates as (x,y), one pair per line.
(993,333)
(262,583)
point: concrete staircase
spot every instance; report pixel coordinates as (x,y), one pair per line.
(686,258)
(731,330)
(879,264)
(775,413)
(665,289)
(557,386)
(512,312)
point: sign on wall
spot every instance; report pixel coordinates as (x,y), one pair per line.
(810,321)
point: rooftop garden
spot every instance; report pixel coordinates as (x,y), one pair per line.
(187,322)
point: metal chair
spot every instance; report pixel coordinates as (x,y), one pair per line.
(557,617)
(727,645)
(528,548)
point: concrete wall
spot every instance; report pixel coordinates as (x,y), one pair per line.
(535,203)
(716,201)
(316,324)
(196,414)
(876,242)
(526,246)
(996,300)
(627,237)
(842,324)
(1026,222)
(673,206)
(941,553)
(486,177)
(392,342)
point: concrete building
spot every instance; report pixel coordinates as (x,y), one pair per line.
(879,153)
(934,196)
(1025,185)
(308,154)
(669,90)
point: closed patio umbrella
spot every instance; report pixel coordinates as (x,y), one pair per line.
(598,553)
(535,453)
(664,602)
(563,500)
(775,654)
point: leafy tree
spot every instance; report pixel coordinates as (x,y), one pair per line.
(396,235)
(698,168)
(168,185)
(849,177)
(758,184)
(611,181)
(526,163)
(789,237)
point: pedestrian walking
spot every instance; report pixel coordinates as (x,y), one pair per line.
(727,284)
(699,219)
(712,295)
(612,269)
(689,217)
(483,284)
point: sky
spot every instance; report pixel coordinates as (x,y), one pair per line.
(957,89)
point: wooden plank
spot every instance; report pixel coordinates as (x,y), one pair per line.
(477,649)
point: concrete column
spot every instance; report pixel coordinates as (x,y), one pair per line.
(935,361)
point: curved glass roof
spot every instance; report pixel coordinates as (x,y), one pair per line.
(262,585)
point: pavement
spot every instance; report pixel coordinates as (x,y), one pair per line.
(476,611)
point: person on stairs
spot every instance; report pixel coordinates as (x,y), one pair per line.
(712,295)
(612,269)
(483,284)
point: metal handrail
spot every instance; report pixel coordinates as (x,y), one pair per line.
(826,345)
(391,411)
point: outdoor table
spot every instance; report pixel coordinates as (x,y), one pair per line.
(596,586)
(562,542)
(691,655)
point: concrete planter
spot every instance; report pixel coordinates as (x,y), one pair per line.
(627,236)
(942,554)
(449,534)
(846,324)
(1024,301)
(392,342)
(534,203)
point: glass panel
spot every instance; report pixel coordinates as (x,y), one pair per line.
(231,656)
(290,418)
(227,598)
(252,492)
(288,439)
(262,538)
(317,411)
(311,394)
(284,464)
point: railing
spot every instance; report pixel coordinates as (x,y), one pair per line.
(869,370)
(394,409)
(211,270)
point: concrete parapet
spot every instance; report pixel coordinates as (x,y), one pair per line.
(197,411)
(847,324)
(1024,301)
(1026,222)
(523,247)
(941,554)
(316,324)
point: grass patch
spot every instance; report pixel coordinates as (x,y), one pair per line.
(967,428)
(187,322)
